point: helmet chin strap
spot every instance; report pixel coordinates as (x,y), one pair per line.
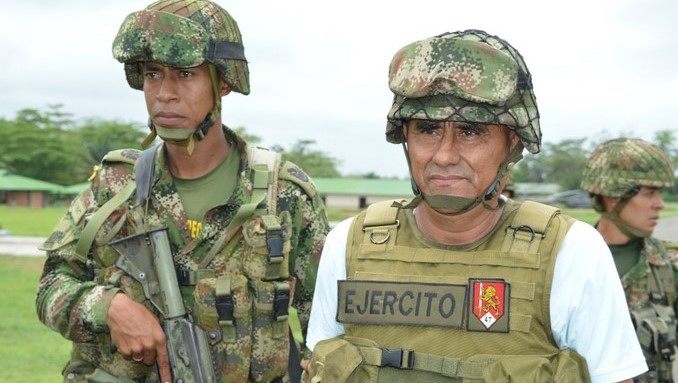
(451,205)
(628,230)
(186,137)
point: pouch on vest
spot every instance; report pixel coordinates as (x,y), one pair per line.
(336,360)
(564,367)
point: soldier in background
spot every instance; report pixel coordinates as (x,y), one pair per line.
(625,178)
(245,228)
(459,283)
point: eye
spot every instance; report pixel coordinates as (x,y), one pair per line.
(185,73)
(426,127)
(471,129)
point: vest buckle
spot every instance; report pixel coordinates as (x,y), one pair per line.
(398,358)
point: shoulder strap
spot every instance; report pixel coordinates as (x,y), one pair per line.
(264,165)
(99,217)
(143,174)
(528,227)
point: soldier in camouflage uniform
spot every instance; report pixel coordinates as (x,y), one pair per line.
(625,178)
(245,229)
(461,284)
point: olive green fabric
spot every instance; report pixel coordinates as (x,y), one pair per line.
(198,194)
(384,245)
(626,256)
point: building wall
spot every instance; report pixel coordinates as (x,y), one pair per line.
(25,199)
(353,202)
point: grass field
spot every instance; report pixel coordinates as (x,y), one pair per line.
(29,351)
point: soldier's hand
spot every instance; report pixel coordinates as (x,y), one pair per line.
(137,334)
(305,366)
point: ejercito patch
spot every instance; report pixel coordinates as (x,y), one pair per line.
(401,303)
(489,305)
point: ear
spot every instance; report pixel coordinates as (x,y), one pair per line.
(225,88)
(609,203)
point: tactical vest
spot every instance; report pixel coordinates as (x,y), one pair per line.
(415,311)
(244,306)
(651,294)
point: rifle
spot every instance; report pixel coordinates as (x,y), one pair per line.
(147,258)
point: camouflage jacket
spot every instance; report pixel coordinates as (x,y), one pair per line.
(74,294)
(636,281)
(651,292)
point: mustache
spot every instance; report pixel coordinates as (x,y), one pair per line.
(455,171)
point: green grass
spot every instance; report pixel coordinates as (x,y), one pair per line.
(29,351)
(32,222)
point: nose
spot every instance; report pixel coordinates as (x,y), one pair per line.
(168,89)
(446,152)
(658,202)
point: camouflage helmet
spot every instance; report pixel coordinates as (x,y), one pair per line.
(182,34)
(617,167)
(467,76)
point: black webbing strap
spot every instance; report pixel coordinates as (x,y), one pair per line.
(143,174)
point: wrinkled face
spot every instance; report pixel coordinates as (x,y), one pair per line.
(642,210)
(177,98)
(456,158)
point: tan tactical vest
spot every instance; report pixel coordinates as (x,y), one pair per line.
(415,311)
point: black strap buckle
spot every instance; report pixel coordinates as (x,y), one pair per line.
(274,242)
(224,305)
(398,358)
(281,303)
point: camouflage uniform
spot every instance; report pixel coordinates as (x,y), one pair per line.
(618,168)
(251,340)
(74,296)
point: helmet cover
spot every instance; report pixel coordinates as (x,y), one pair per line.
(467,76)
(182,34)
(618,166)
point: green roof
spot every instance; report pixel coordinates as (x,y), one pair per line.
(364,186)
(13,182)
(74,189)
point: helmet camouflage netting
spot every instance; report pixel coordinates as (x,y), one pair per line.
(182,34)
(467,76)
(618,166)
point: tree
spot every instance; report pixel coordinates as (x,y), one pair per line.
(565,162)
(38,146)
(314,162)
(99,137)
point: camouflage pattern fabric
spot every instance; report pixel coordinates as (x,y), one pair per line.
(637,287)
(620,165)
(467,76)
(73,296)
(182,34)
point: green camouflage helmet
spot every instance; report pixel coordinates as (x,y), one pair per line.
(182,34)
(618,166)
(467,76)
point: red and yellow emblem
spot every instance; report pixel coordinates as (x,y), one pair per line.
(489,300)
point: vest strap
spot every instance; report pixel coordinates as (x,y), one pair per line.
(98,218)
(408,359)
(224,301)
(528,228)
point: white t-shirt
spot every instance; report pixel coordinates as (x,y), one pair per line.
(588,307)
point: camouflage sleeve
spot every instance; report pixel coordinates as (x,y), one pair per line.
(69,299)
(310,227)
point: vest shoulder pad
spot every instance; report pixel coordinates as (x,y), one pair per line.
(128,156)
(289,171)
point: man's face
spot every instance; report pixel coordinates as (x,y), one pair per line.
(456,158)
(642,210)
(177,98)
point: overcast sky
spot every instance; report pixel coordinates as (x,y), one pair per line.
(600,68)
